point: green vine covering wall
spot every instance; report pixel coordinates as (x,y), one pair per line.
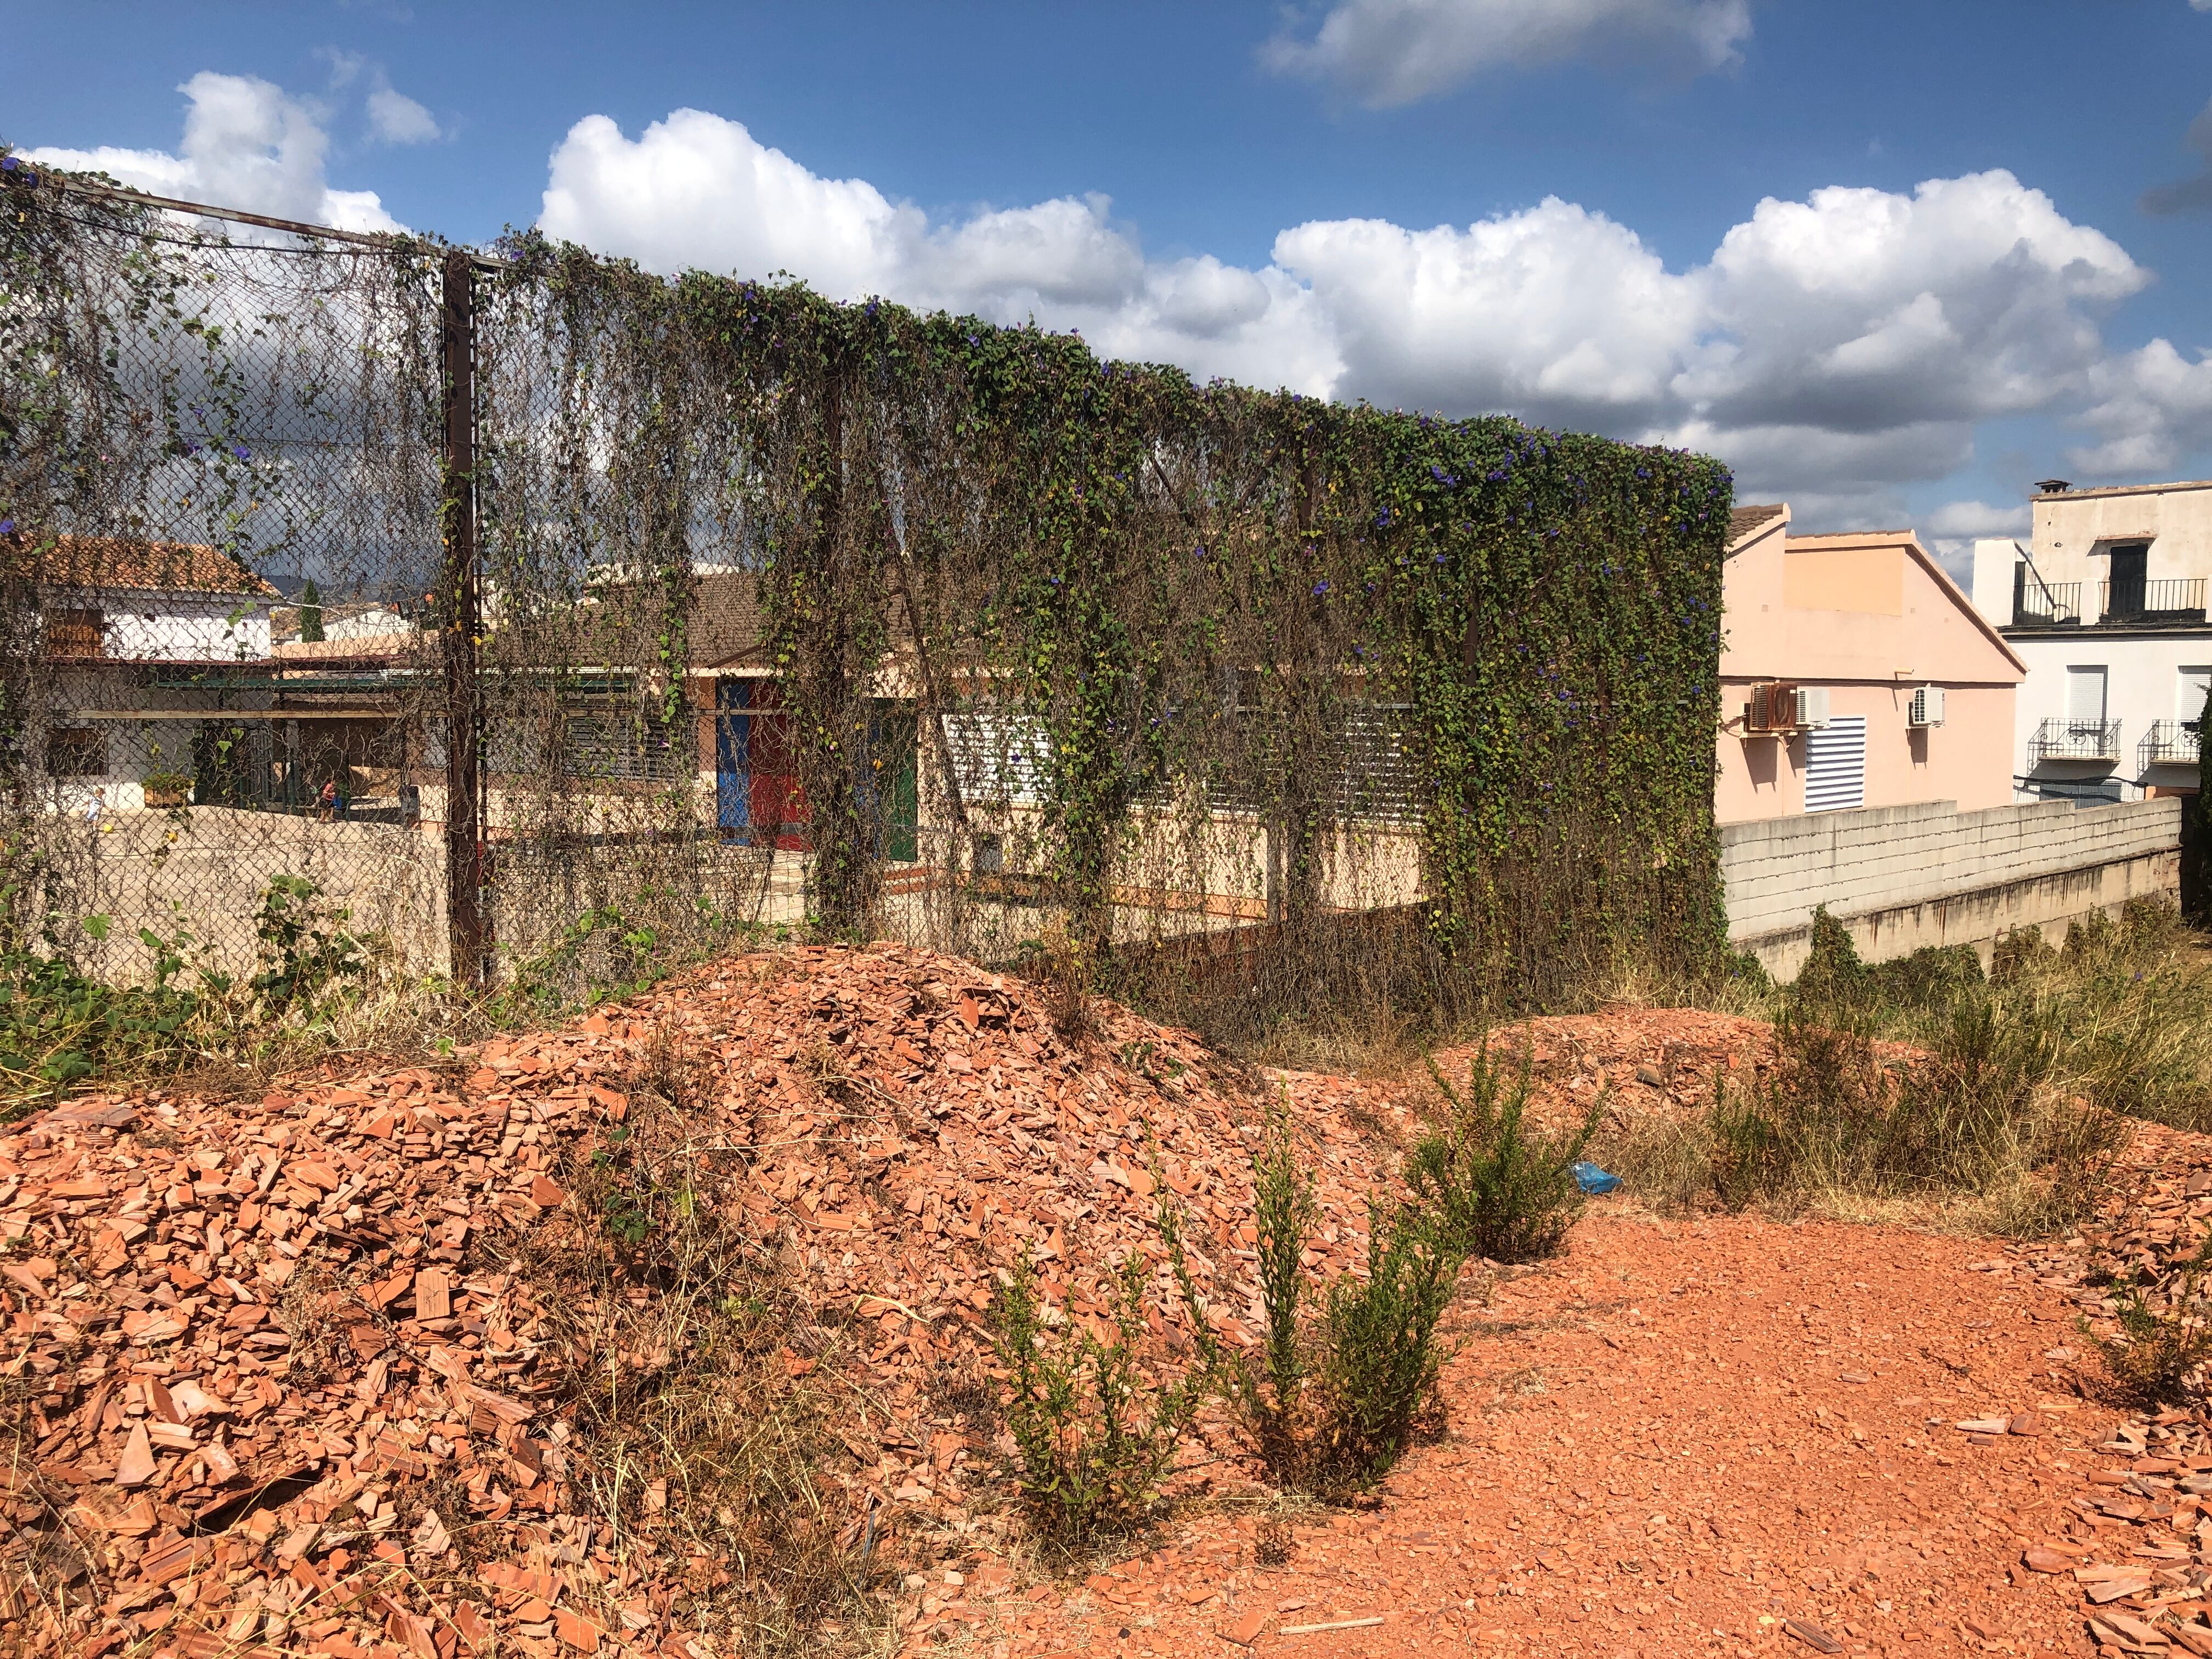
(1194,681)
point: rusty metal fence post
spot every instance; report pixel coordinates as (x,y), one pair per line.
(468,936)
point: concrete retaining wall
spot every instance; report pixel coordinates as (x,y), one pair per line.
(1903,877)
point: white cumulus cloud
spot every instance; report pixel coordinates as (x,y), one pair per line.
(1845,343)
(397,118)
(1389,52)
(2151,408)
(246,144)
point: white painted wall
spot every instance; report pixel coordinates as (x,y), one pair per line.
(2146,680)
(143,625)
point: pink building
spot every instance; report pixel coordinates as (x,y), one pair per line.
(1854,673)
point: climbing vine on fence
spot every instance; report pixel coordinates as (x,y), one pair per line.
(1452,683)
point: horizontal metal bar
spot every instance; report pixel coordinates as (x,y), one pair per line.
(382,241)
(228,714)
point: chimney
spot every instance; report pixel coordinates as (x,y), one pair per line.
(2052,486)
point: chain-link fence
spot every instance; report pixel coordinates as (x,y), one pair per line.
(545,617)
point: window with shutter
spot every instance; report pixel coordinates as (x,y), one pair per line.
(1835,765)
(2085,696)
(77,752)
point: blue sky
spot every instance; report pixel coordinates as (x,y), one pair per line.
(1892,261)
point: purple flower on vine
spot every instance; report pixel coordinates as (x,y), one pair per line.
(7,525)
(9,164)
(1320,589)
(242,451)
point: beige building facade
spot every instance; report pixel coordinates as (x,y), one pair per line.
(1863,621)
(2105,604)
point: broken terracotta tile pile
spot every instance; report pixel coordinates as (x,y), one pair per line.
(2138,1539)
(248,1338)
(1635,1060)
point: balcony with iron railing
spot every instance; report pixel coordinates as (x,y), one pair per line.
(2177,600)
(2168,743)
(2046,604)
(2075,740)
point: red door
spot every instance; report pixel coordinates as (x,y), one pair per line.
(779,803)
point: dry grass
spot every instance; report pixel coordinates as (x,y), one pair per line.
(691,1366)
(1921,1091)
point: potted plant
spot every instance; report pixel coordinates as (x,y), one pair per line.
(166,788)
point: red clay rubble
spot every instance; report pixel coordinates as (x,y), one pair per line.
(245,1337)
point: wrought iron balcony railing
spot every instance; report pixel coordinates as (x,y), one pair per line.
(2042,605)
(2069,739)
(2178,599)
(2168,743)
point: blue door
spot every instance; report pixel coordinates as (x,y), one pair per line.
(732,731)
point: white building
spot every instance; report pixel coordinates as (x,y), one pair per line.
(2106,606)
(143,641)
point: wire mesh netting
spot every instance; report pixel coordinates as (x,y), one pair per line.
(525,614)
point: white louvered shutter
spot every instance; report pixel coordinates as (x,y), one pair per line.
(1835,765)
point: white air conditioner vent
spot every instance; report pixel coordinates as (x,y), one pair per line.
(1812,708)
(1927,705)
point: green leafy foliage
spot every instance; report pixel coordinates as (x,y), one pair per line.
(1379,1353)
(1335,634)
(1093,1435)
(1174,586)
(1496,1185)
(2165,1336)
(1344,1369)
(57,1026)
(1284,1209)
(305,956)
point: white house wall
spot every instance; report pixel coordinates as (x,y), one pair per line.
(2142,684)
(143,626)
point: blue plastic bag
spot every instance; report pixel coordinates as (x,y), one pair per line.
(1591,1179)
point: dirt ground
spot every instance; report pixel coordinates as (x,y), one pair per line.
(1671,1439)
(1725,1435)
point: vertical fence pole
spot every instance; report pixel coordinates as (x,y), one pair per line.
(465,804)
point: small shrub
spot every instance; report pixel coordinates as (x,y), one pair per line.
(1093,1438)
(1980,1113)
(1379,1355)
(1833,979)
(1272,1543)
(2161,1350)
(1496,1186)
(1336,1391)
(304,954)
(2019,953)
(1283,1211)
(1746,1157)
(58,1026)
(1932,974)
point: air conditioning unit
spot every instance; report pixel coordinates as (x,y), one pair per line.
(1772,707)
(1780,706)
(1927,707)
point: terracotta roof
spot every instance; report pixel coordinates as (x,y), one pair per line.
(120,562)
(1742,520)
(727,629)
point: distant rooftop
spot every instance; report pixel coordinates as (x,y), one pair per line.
(2044,493)
(1743,521)
(137,565)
